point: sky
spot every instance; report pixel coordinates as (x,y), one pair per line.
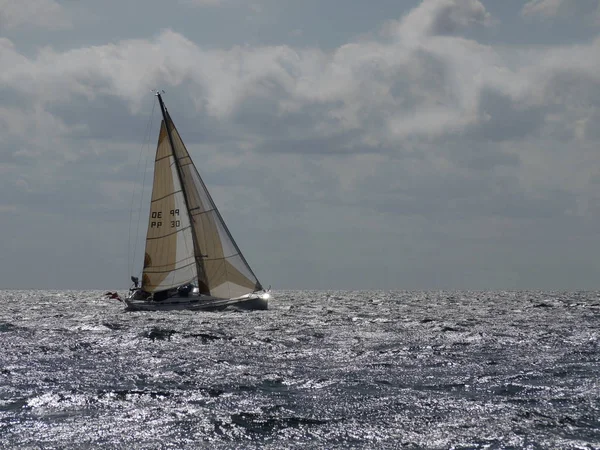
(434,144)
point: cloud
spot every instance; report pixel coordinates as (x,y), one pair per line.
(546,8)
(364,97)
(562,8)
(33,13)
(439,18)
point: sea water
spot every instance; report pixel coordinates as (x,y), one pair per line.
(319,369)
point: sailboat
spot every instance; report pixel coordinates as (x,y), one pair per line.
(191,261)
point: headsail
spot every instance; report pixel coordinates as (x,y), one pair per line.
(206,251)
(224,268)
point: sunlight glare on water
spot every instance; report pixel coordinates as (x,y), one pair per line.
(319,369)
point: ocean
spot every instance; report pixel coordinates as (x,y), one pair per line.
(319,369)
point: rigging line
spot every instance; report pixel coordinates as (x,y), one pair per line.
(145,143)
(137,228)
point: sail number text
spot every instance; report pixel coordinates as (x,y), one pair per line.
(154,215)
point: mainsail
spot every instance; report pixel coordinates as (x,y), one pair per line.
(169,260)
(187,239)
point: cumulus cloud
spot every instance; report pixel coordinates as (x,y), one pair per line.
(438,18)
(562,8)
(543,7)
(33,13)
(362,97)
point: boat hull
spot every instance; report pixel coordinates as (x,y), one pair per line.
(255,301)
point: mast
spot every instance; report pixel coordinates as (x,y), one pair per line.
(165,115)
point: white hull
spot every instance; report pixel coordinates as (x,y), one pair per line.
(196,302)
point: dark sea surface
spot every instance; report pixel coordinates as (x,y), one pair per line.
(320,369)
